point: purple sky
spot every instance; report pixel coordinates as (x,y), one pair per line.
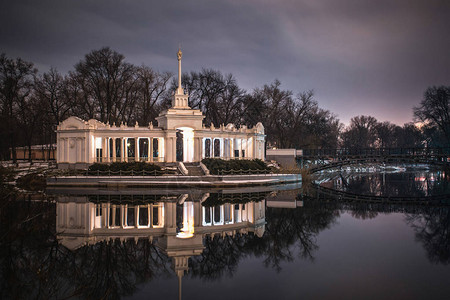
(359,56)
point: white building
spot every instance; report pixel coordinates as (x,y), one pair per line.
(179,136)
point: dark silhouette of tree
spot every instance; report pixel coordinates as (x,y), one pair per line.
(151,88)
(360,133)
(291,122)
(218,96)
(105,86)
(434,113)
(16,84)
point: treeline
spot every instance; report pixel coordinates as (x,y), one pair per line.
(106,87)
(432,127)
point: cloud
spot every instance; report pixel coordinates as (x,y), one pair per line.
(359,56)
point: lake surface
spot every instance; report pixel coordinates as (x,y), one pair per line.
(407,180)
(264,242)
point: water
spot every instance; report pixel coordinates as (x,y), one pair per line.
(262,242)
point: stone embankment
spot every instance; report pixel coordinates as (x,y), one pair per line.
(172,180)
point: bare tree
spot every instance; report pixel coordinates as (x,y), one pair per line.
(50,89)
(151,87)
(105,83)
(434,112)
(360,133)
(16,84)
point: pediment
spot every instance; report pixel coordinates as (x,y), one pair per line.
(72,123)
(259,127)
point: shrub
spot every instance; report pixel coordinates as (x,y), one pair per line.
(6,174)
(32,182)
(124,166)
(235,166)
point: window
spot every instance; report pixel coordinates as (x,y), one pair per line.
(216,148)
(207,148)
(144,218)
(129,217)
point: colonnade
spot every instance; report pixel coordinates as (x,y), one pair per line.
(123,149)
(228,148)
(116,216)
(90,149)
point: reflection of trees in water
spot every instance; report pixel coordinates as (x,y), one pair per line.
(398,184)
(432,229)
(27,248)
(288,233)
(220,256)
(294,227)
(34,265)
(115,268)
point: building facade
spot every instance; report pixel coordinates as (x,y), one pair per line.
(179,136)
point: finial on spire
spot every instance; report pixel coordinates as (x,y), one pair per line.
(179,53)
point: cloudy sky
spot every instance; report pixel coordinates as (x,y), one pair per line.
(359,56)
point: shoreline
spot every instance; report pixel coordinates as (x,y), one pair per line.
(172,181)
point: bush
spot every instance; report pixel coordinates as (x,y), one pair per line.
(123,166)
(235,166)
(32,182)
(6,174)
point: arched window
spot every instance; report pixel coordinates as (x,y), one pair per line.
(207,148)
(131,148)
(216,148)
(155,148)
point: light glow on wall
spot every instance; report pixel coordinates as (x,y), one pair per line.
(98,143)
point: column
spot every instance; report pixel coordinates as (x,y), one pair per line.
(79,157)
(161,150)
(104,151)
(211,148)
(168,149)
(84,150)
(174,149)
(197,149)
(150,149)
(231,148)
(136,149)
(122,149)
(66,150)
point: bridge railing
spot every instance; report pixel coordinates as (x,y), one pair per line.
(344,152)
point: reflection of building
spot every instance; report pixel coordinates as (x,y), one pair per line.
(177,223)
(81,222)
(179,136)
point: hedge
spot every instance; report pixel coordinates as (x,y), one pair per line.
(125,166)
(217,165)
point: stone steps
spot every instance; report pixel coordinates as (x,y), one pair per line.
(194,169)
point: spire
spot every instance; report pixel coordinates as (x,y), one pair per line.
(180,90)
(180,99)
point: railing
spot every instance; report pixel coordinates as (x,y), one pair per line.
(117,173)
(343,152)
(242,172)
(128,159)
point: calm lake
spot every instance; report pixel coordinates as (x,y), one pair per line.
(264,242)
